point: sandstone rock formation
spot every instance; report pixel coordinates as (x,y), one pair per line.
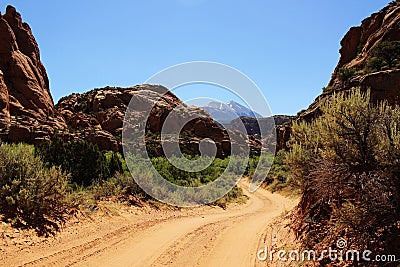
(272,133)
(359,42)
(357,48)
(98,116)
(4,103)
(282,136)
(255,126)
(27,110)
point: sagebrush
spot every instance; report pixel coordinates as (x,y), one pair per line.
(347,163)
(31,195)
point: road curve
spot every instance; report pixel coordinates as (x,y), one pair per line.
(229,237)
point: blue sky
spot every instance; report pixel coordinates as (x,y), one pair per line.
(288,48)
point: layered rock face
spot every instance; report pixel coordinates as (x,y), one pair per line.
(27,110)
(4,103)
(359,42)
(357,49)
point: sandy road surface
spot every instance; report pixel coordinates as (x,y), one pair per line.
(210,237)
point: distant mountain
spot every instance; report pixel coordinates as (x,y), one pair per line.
(225,113)
(243,111)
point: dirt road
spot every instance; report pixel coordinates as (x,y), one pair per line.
(208,237)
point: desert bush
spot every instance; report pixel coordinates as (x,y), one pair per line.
(374,64)
(122,185)
(31,195)
(326,88)
(388,52)
(279,175)
(273,170)
(206,174)
(347,164)
(234,195)
(115,163)
(386,55)
(346,73)
(185,178)
(84,160)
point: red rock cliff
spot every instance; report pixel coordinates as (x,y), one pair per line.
(27,110)
(357,49)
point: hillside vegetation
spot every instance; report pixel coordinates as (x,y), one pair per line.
(40,187)
(346,163)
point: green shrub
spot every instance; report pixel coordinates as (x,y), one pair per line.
(374,64)
(121,185)
(386,55)
(275,176)
(326,88)
(82,159)
(31,195)
(279,174)
(388,52)
(234,195)
(202,174)
(185,178)
(346,73)
(347,164)
(115,163)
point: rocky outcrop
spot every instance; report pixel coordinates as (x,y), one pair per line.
(4,104)
(357,49)
(254,126)
(275,132)
(20,62)
(98,116)
(282,136)
(359,43)
(27,110)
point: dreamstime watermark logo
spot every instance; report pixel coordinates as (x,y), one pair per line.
(341,243)
(150,105)
(340,253)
